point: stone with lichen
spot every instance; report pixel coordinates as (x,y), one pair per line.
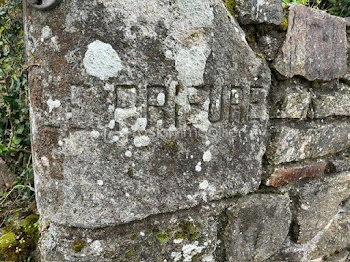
(263,11)
(315,46)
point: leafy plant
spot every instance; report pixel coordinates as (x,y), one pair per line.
(334,7)
(17,206)
(14,105)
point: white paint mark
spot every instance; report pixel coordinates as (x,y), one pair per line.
(128,154)
(108,87)
(176,256)
(190,64)
(169,54)
(46,33)
(178,241)
(69,115)
(45,161)
(95,134)
(121,114)
(191,250)
(52,104)
(140,141)
(199,167)
(204,185)
(207,156)
(102,61)
(161,99)
(140,125)
(111,124)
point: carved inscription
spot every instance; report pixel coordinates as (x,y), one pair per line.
(233,105)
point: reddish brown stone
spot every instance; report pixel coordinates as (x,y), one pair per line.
(285,176)
(315,46)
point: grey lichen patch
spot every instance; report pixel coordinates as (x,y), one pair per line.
(102,61)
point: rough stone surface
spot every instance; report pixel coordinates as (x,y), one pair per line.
(145,114)
(289,99)
(6,178)
(262,11)
(293,144)
(335,236)
(150,121)
(317,204)
(184,236)
(257,225)
(342,256)
(315,47)
(332,102)
(284,176)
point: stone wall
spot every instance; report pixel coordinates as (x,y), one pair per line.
(188,131)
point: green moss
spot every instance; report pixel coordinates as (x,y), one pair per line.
(78,245)
(130,253)
(163,237)
(19,239)
(8,240)
(195,35)
(231,6)
(258,55)
(315,84)
(189,231)
(30,224)
(284,24)
(251,40)
(171,145)
(130,173)
(133,236)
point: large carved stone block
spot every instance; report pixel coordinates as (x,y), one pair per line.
(315,46)
(142,108)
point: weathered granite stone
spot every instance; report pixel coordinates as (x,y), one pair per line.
(284,176)
(317,202)
(153,110)
(264,11)
(183,236)
(290,252)
(342,162)
(257,227)
(335,236)
(332,103)
(289,99)
(341,256)
(270,43)
(293,144)
(315,47)
(6,178)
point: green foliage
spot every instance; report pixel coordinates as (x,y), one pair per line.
(18,223)
(14,106)
(334,7)
(340,7)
